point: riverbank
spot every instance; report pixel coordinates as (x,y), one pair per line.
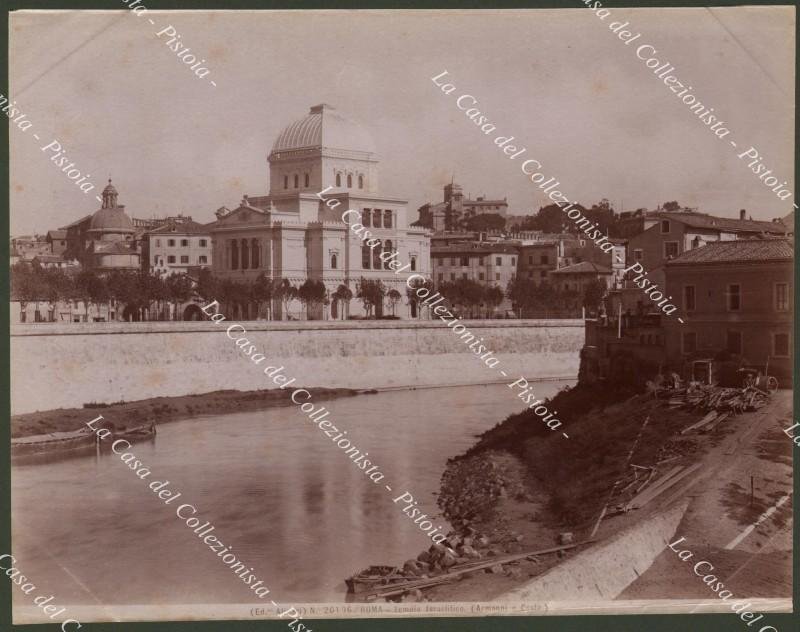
(522,488)
(161,410)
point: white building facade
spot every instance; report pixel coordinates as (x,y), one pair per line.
(177,247)
(292,234)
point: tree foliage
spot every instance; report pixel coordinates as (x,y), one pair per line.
(312,294)
(285,292)
(394,299)
(371,293)
(464,294)
(552,219)
(485,222)
(593,294)
(529,298)
(413,298)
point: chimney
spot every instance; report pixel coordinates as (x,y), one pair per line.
(742,213)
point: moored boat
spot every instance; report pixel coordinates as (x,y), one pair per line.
(75,442)
(139,433)
(52,442)
(373,576)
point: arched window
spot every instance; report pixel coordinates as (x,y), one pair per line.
(285,182)
(306,179)
(365,217)
(338,179)
(387,248)
(296,181)
(333,261)
(349,181)
(376,218)
(376,257)
(387,219)
(244,254)
(234,255)
(255,254)
(360,182)
(366,257)
(413,264)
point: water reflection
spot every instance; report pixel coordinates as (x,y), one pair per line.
(280,493)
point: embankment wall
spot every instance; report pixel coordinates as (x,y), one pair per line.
(67,365)
(603,571)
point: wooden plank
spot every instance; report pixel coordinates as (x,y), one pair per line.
(658,483)
(717,421)
(649,476)
(672,482)
(455,571)
(705,420)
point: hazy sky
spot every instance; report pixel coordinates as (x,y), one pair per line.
(122,105)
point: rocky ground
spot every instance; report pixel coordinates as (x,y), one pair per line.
(486,499)
(161,409)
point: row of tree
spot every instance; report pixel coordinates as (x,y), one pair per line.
(528,297)
(142,291)
(148,292)
(312,294)
(32,283)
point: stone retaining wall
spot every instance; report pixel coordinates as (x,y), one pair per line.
(66,365)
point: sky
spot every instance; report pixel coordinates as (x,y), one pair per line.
(123,106)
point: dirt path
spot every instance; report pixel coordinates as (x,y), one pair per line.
(753,564)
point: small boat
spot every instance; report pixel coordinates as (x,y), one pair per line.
(139,433)
(74,442)
(52,442)
(374,576)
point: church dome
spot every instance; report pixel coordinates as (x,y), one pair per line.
(111,220)
(111,217)
(324,127)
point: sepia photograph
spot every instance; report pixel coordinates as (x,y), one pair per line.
(414,313)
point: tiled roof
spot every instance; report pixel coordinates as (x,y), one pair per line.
(57,234)
(540,244)
(701,220)
(76,222)
(189,227)
(472,247)
(740,250)
(584,267)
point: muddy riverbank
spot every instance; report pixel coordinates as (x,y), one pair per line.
(161,409)
(523,487)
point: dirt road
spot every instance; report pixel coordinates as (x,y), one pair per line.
(748,539)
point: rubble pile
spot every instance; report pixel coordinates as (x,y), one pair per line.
(676,448)
(471,489)
(721,399)
(456,558)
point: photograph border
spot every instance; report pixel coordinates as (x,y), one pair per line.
(570,623)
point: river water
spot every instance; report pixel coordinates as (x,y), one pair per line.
(281,494)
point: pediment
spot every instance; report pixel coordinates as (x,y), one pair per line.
(244,214)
